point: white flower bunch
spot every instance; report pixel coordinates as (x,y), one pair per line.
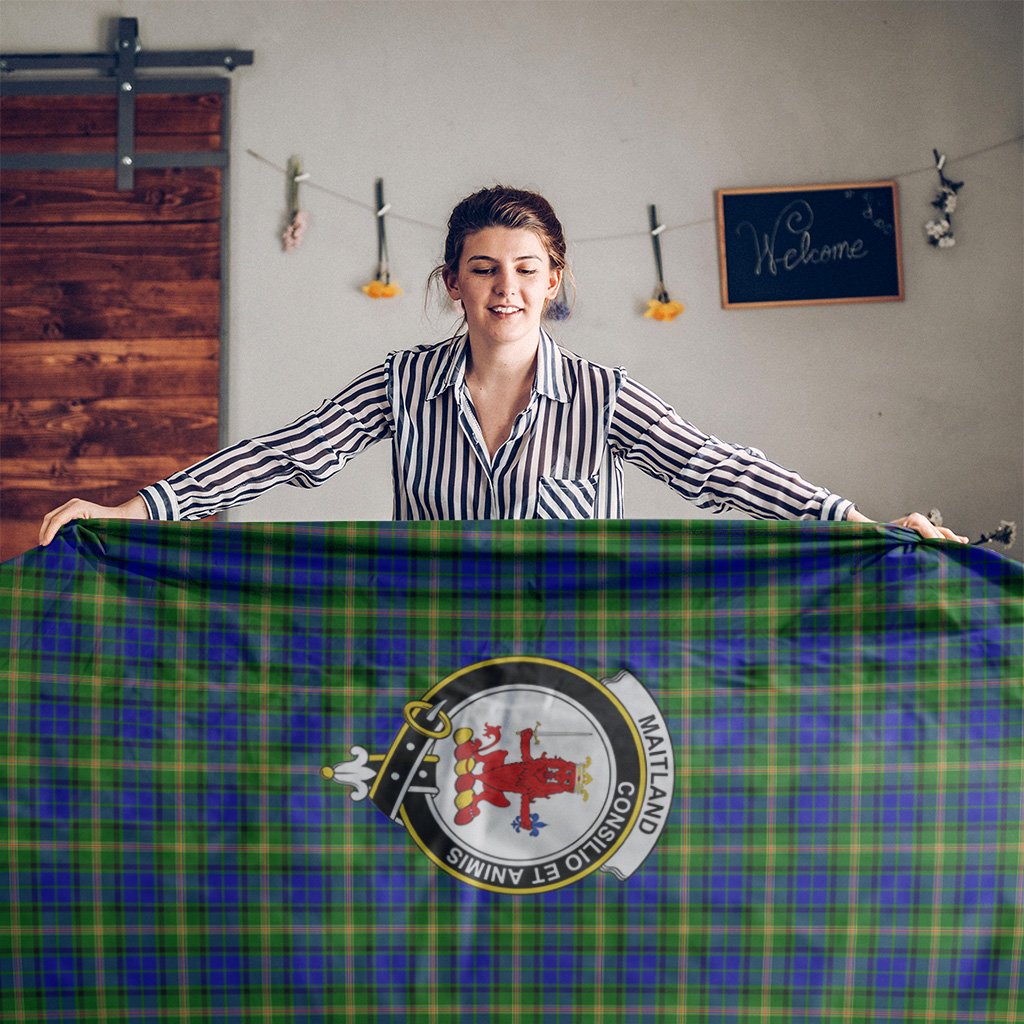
(940,231)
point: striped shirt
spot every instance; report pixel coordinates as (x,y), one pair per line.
(562,460)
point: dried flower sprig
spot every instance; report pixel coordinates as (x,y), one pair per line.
(381,287)
(292,237)
(940,231)
(660,307)
(1004,534)
(298,219)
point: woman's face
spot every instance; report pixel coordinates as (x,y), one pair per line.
(504,280)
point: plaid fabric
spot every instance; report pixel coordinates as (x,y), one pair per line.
(844,844)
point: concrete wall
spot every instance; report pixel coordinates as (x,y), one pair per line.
(606,107)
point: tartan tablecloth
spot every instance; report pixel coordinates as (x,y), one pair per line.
(836,836)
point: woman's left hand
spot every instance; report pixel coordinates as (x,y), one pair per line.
(917,522)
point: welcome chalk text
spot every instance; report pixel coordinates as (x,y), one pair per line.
(795,221)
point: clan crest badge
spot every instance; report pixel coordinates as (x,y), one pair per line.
(523,775)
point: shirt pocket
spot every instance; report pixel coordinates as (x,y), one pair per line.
(565,498)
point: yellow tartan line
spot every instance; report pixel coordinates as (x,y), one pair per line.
(1018,938)
(371,693)
(264,805)
(180,830)
(348,707)
(852,930)
(939,813)
(771,794)
(401,848)
(689,1013)
(11,844)
(355,929)
(96,786)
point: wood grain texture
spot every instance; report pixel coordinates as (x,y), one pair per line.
(34,486)
(110,369)
(88,310)
(86,116)
(110,308)
(72,428)
(99,252)
(108,144)
(81,197)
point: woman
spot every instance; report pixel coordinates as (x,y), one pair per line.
(498,422)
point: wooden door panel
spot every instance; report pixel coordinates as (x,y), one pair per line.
(110,308)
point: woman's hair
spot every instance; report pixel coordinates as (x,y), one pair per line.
(501,207)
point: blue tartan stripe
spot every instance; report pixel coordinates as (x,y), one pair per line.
(845,705)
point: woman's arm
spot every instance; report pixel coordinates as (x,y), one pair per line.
(711,473)
(305,453)
(717,475)
(76,508)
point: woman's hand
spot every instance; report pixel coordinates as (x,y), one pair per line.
(914,521)
(76,508)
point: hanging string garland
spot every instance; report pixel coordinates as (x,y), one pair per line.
(940,232)
(381,287)
(660,307)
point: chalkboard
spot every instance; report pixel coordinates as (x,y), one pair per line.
(814,244)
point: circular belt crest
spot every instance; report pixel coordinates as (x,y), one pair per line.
(522,775)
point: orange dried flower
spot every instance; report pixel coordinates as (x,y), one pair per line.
(379,290)
(665,311)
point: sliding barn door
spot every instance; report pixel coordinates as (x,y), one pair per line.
(110,305)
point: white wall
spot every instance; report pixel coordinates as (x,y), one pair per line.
(606,107)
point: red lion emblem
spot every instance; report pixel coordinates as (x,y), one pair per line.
(533,778)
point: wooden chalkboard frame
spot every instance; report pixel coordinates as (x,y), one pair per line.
(884,282)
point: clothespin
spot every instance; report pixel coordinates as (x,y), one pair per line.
(660,292)
(383,270)
(661,307)
(295,177)
(381,287)
(940,163)
(297,217)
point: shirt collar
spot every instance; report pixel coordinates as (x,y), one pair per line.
(452,369)
(550,379)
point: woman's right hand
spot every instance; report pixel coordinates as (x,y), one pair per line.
(76,508)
